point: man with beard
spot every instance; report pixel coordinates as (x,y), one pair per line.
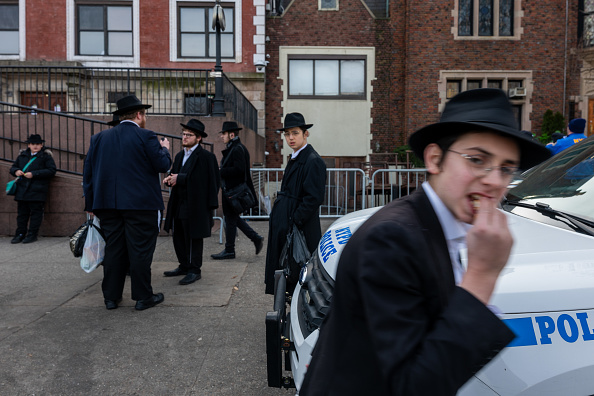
(194,183)
(122,188)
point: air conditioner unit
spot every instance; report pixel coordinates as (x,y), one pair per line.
(517,92)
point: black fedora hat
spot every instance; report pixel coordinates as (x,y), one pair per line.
(293,120)
(195,126)
(483,109)
(230,126)
(130,103)
(115,121)
(35,139)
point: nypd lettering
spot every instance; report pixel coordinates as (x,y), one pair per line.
(551,329)
(330,239)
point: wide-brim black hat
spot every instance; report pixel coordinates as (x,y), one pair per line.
(484,109)
(230,126)
(195,126)
(115,121)
(130,103)
(293,120)
(35,139)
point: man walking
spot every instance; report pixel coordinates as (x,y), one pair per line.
(298,202)
(235,170)
(121,187)
(194,183)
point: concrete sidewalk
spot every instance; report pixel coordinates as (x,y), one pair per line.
(207,338)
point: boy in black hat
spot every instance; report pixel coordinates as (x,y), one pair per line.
(406,317)
(298,202)
(194,183)
(235,170)
(34,167)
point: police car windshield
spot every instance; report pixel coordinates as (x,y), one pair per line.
(565,182)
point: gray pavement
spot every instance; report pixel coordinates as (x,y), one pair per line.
(207,338)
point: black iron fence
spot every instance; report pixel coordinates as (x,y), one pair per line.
(86,90)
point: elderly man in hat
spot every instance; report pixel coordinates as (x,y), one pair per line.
(575,134)
(34,168)
(298,202)
(194,182)
(235,170)
(122,188)
(406,317)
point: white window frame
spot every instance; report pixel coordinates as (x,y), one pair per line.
(485,75)
(106,61)
(21,56)
(518,16)
(173,24)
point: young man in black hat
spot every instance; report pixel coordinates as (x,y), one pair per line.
(406,318)
(235,170)
(122,188)
(34,167)
(298,202)
(194,183)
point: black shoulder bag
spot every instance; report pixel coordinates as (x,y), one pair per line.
(240,196)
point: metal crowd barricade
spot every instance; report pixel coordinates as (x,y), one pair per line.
(389,184)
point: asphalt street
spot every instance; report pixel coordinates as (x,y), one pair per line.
(207,338)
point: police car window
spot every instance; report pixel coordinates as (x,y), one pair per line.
(565,182)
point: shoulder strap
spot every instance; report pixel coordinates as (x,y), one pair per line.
(29,163)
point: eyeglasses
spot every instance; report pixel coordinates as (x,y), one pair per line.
(482,166)
(294,133)
(188,135)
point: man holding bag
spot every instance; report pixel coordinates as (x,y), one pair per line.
(235,170)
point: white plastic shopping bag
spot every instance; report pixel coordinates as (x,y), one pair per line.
(94,250)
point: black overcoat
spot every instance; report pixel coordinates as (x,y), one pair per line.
(200,176)
(298,202)
(235,166)
(398,324)
(42,169)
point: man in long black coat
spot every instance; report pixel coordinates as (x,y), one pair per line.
(298,202)
(407,318)
(235,170)
(194,196)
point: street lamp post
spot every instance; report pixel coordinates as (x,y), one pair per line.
(218,23)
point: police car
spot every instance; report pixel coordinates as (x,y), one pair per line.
(546,291)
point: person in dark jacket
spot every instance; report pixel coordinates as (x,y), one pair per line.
(194,182)
(122,188)
(235,170)
(298,202)
(32,187)
(407,317)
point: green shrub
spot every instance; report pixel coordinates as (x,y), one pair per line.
(401,151)
(551,122)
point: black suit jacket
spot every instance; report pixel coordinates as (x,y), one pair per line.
(197,184)
(398,324)
(235,166)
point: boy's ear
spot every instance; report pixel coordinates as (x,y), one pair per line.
(433,157)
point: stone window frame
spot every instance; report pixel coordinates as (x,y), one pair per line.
(463,76)
(21,55)
(517,20)
(322,8)
(174,30)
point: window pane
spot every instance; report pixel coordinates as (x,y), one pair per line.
(90,17)
(9,43)
(330,4)
(588,6)
(193,45)
(485,17)
(452,88)
(119,18)
(301,77)
(92,43)
(226,45)
(192,20)
(9,17)
(465,17)
(514,84)
(517,110)
(326,77)
(506,17)
(589,30)
(494,84)
(120,44)
(474,84)
(352,77)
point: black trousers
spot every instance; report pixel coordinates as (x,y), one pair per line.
(32,210)
(188,250)
(232,223)
(130,238)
